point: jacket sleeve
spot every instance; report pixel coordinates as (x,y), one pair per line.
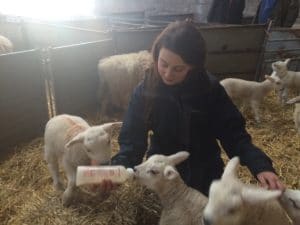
(229,126)
(133,134)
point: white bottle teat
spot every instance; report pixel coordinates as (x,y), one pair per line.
(96,174)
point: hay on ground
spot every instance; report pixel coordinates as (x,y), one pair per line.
(27,196)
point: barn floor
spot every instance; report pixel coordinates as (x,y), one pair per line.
(27,197)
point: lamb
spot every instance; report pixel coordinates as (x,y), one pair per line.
(235,203)
(280,67)
(296,115)
(180,204)
(6,45)
(250,92)
(290,79)
(70,141)
(290,201)
(118,75)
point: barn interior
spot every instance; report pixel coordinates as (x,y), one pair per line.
(53,70)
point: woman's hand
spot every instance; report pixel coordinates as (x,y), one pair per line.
(107,186)
(270,180)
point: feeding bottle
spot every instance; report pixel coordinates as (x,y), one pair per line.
(96,174)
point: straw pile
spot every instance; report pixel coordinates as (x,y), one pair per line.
(27,197)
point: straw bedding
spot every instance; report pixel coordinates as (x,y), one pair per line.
(27,196)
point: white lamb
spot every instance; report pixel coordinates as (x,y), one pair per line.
(232,202)
(296,115)
(180,204)
(118,75)
(250,92)
(290,201)
(290,79)
(70,141)
(6,45)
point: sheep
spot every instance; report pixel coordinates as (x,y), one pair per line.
(296,115)
(180,204)
(6,45)
(290,201)
(250,92)
(290,79)
(280,68)
(70,141)
(118,75)
(235,203)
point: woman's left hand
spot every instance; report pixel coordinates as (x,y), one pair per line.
(270,180)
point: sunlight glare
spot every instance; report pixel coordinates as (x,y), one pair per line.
(48,9)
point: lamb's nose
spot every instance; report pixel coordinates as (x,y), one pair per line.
(206,221)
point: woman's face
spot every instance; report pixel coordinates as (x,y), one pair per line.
(171,68)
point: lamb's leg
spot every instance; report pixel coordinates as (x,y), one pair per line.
(53,167)
(284,96)
(255,110)
(69,193)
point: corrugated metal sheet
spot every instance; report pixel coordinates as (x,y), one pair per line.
(283,43)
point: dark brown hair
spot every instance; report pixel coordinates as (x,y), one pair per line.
(182,38)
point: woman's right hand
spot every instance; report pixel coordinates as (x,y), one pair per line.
(107,186)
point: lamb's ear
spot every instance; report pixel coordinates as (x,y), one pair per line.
(293,100)
(170,173)
(79,138)
(108,126)
(255,195)
(178,157)
(287,61)
(231,168)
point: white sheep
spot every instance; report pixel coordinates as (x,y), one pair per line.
(296,113)
(290,79)
(6,45)
(250,92)
(180,204)
(70,141)
(290,201)
(232,202)
(280,68)
(118,75)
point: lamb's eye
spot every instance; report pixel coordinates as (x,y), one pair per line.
(153,172)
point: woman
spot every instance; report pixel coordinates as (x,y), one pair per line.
(187,109)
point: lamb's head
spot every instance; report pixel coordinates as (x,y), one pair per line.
(290,200)
(280,67)
(229,198)
(277,83)
(96,141)
(159,169)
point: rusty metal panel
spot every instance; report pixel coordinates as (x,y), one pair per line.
(231,50)
(134,40)
(74,72)
(234,50)
(23,104)
(232,64)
